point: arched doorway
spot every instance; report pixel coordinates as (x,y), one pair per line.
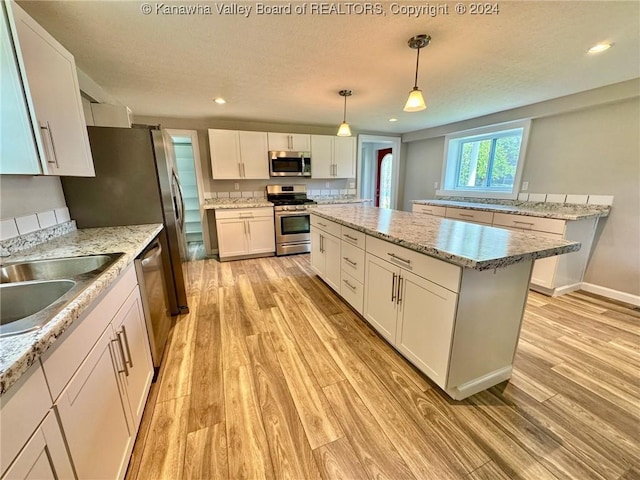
(384,174)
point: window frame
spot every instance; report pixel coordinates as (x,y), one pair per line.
(451,160)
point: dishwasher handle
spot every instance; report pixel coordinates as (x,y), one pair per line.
(153,252)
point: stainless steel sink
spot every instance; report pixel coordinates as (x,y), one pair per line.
(33,292)
(21,302)
(54,268)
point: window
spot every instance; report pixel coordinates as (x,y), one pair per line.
(485,162)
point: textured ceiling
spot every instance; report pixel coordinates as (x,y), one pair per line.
(288,68)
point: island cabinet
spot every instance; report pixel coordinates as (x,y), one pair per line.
(55,120)
(325,250)
(245,232)
(457,324)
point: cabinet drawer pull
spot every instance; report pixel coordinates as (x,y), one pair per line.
(400,259)
(393,288)
(322,224)
(467,215)
(353,239)
(523,223)
(427,210)
(400,280)
(349,261)
(126,346)
(352,287)
(246,215)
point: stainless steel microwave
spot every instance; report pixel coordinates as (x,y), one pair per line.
(289,164)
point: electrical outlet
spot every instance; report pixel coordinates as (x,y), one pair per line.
(435,185)
(326,184)
(236,186)
(525,186)
(352,184)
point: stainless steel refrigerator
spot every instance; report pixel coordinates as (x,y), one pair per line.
(136,182)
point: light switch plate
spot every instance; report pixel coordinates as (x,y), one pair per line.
(525,186)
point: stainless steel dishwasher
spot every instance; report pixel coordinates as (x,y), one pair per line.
(154,298)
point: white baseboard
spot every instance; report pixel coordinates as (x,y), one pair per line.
(610,293)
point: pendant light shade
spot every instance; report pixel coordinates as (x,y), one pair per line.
(344,130)
(416,102)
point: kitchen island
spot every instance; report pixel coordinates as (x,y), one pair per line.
(448,295)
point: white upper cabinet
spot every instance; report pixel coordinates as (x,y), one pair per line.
(18,156)
(289,142)
(50,83)
(333,157)
(238,154)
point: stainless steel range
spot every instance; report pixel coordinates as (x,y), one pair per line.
(293,222)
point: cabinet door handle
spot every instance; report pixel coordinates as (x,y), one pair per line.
(353,239)
(400,259)
(47,127)
(126,345)
(239,169)
(124,370)
(352,287)
(244,227)
(393,288)
(244,172)
(248,227)
(400,281)
(349,261)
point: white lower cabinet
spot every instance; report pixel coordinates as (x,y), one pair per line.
(245,232)
(380,296)
(325,256)
(93,414)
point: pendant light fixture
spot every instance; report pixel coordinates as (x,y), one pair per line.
(415,102)
(344,130)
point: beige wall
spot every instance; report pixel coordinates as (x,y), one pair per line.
(589,151)
(22,195)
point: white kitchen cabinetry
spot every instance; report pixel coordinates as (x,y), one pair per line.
(50,83)
(352,267)
(325,251)
(238,154)
(31,444)
(473,216)
(429,210)
(245,232)
(333,157)
(289,142)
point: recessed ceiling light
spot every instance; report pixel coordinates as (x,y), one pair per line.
(393,119)
(600,47)
(220,101)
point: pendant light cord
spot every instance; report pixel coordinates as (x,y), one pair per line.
(345,110)
(415,85)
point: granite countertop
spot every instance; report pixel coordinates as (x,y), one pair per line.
(464,244)
(561,211)
(330,200)
(238,202)
(19,352)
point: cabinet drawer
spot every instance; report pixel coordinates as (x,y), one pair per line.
(61,361)
(243,213)
(353,237)
(470,215)
(352,291)
(550,225)
(328,226)
(437,271)
(429,209)
(22,409)
(352,261)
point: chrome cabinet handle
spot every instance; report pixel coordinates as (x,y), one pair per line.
(246,215)
(352,287)
(466,215)
(354,239)
(349,261)
(124,370)
(400,281)
(239,169)
(396,257)
(249,227)
(244,227)
(322,224)
(126,344)
(47,127)
(393,288)
(523,223)
(244,172)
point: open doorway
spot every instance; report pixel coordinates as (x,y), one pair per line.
(379,169)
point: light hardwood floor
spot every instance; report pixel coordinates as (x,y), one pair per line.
(271,375)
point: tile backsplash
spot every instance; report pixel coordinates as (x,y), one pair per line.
(566,198)
(14,227)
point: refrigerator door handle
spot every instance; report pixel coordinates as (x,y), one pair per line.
(177,195)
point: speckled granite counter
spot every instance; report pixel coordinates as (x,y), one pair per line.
(19,352)
(464,244)
(240,202)
(331,200)
(559,211)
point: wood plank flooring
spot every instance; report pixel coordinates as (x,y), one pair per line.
(271,375)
